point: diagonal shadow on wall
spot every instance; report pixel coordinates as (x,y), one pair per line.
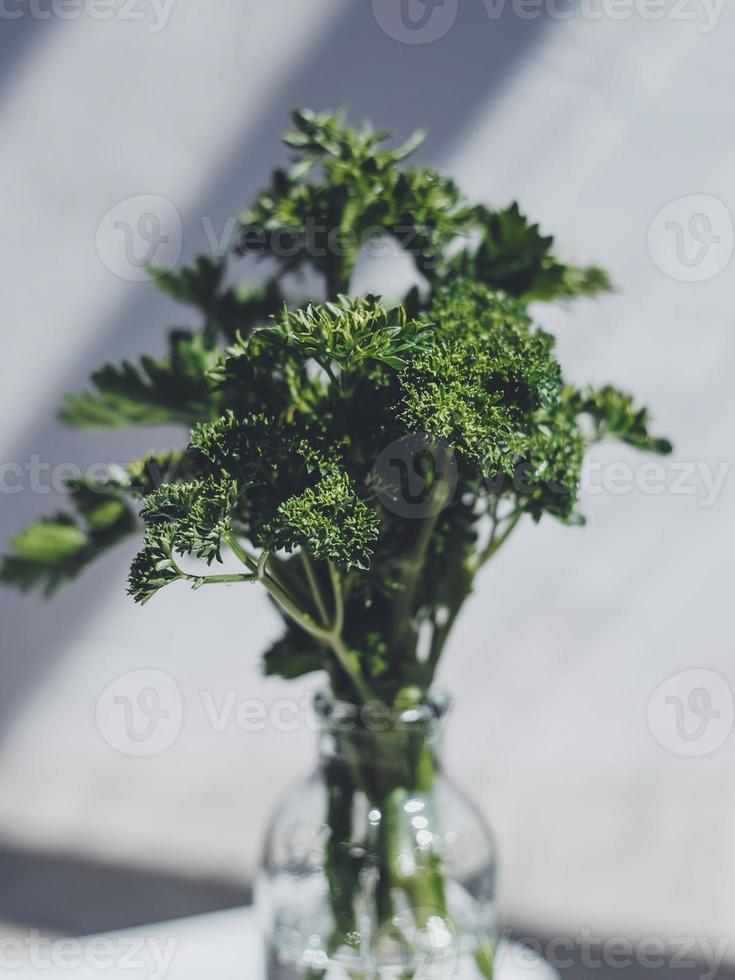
(20,37)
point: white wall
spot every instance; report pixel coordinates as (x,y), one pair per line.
(594,126)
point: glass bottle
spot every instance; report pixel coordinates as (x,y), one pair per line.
(377,866)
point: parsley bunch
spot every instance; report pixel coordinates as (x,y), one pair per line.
(361,458)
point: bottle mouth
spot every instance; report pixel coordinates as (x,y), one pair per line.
(376,717)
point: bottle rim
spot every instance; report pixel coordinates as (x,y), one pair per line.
(375,717)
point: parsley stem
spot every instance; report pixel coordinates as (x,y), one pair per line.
(331,637)
(349,662)
(286,602)
(497,541)
(219,579)
(209,579)
(314,586)
(339,604)
(441,633)
(241,553)
(403,607)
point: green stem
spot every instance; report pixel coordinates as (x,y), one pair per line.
(497,541)
(403,607)
(441,633)
(210,579)
(339,604)
(303,619)
(439,639)
(314,586)
(346,657)
(247,559)
(221,579)
(338,275)
(351,665)
(341,866)
(332,637)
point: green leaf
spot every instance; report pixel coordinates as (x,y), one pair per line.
(515,257)
(354,188)
(55,550)
(410,146)
(50,540)
(197,285)
(615,413)
(348,334)
(228,312)
(293,655)
(174,389)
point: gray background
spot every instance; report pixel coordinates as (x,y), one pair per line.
(594,125)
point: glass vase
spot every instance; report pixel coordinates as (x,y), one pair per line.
(377,866)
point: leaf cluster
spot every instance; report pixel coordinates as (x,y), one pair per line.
(313,420)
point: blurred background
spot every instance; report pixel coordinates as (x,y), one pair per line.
(592,672)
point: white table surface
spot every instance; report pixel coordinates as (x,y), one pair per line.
(221,945)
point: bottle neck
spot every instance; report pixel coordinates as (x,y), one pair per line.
(383,749)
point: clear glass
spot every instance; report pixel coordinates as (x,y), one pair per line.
(378,866)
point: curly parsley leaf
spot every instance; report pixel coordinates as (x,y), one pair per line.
(329,520)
